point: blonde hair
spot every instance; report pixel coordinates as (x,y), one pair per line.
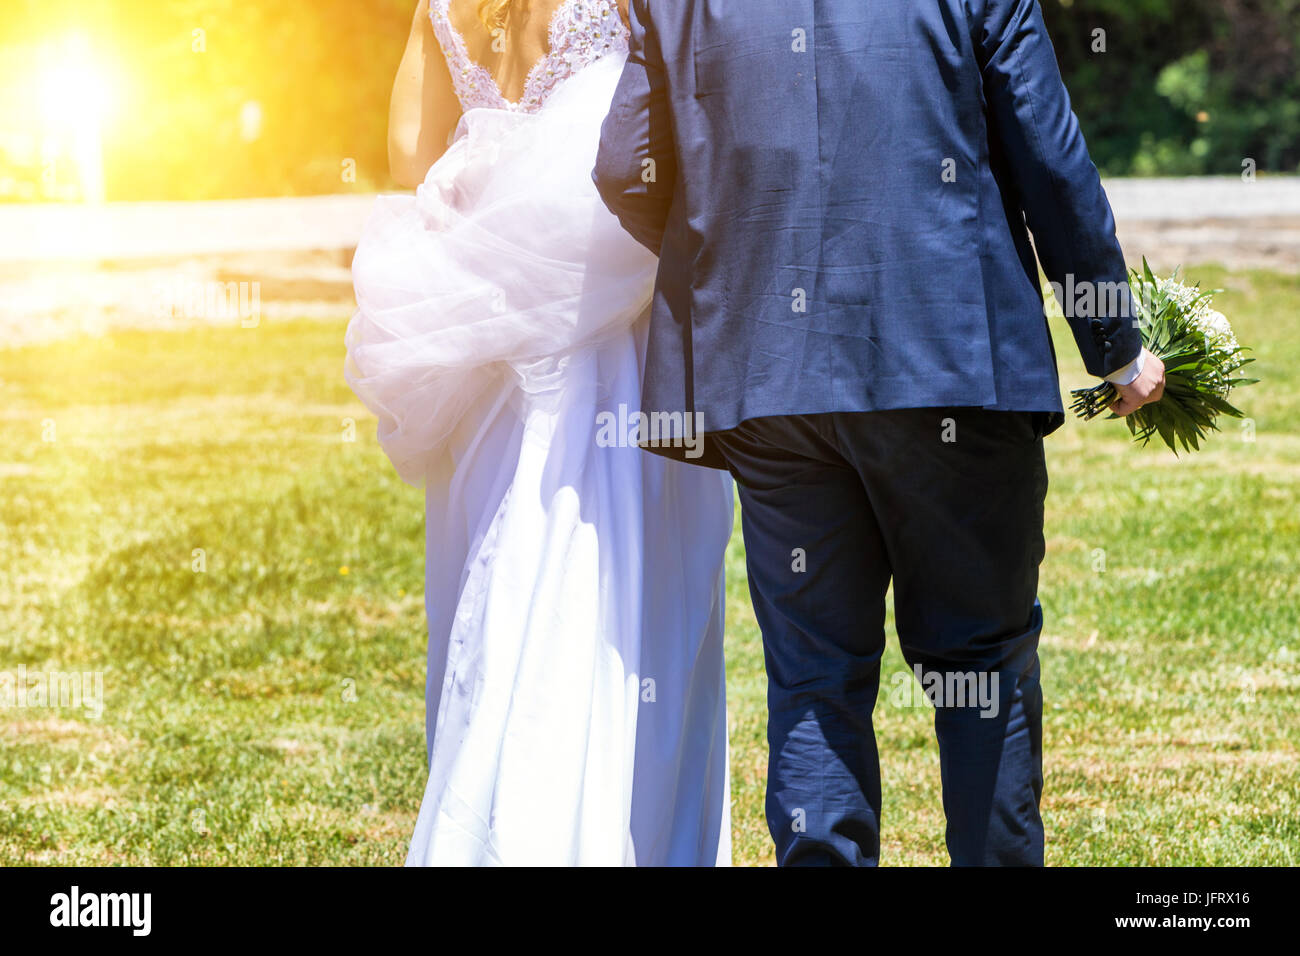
(493,12)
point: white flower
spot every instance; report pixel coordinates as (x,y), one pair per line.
(1184,295)
(1212,324)
(1216,329)
(1196,309)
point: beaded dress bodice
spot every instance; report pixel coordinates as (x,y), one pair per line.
(581,32)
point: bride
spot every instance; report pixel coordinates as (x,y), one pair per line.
(574,590)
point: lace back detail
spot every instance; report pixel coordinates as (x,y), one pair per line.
(581,32)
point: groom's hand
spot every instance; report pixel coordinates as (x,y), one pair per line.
(1148,387)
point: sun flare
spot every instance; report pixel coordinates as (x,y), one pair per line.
(76,88)
(76,96)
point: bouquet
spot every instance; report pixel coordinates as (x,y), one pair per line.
(1201,356)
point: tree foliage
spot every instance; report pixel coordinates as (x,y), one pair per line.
(1184,86)
(228,98)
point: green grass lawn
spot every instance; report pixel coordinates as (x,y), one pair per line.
(268,708)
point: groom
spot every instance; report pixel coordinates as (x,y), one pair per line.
(842,194)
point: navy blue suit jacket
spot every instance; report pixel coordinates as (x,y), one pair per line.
(842,192)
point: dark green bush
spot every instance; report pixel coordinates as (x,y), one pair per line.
(1184,86)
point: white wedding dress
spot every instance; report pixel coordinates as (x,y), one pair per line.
(576,704)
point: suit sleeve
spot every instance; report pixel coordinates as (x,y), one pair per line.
(636,167)
(1059,188)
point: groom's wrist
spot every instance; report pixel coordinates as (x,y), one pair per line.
(1129,373)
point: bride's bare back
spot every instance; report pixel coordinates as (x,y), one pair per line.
(454,62)
(511,50)
(528,48)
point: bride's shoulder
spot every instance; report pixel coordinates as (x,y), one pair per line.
(571,15)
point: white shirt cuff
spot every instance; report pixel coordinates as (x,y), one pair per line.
(1129,373)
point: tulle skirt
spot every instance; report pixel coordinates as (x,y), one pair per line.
(574,585)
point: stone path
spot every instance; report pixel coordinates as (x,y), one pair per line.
(66,270)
